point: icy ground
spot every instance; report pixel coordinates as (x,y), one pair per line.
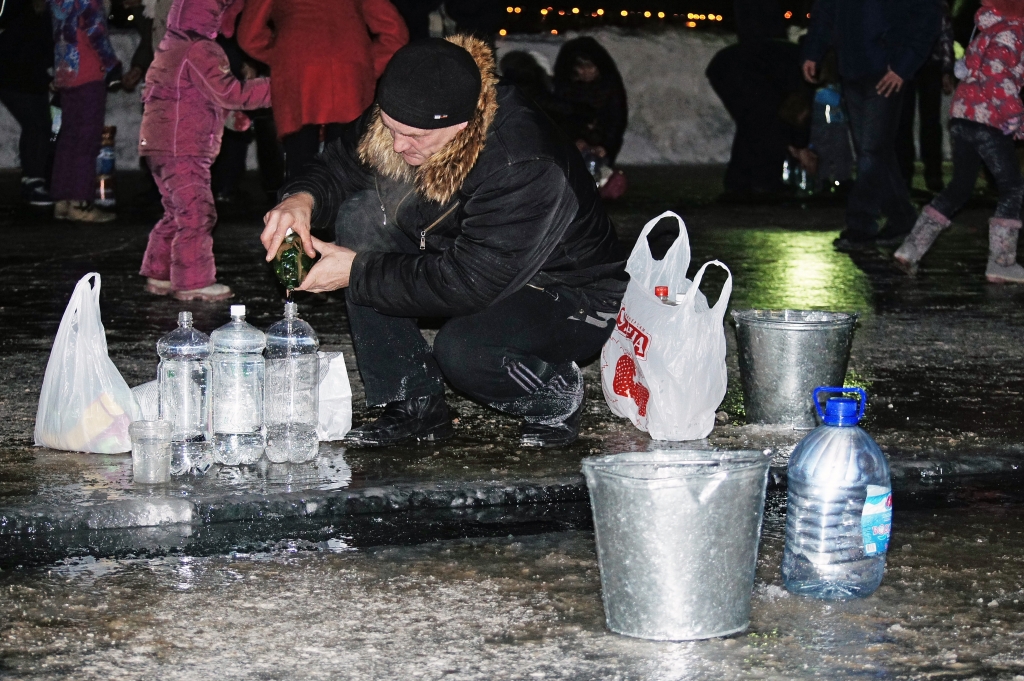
(517,608)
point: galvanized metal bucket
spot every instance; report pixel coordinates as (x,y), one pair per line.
(785,355)
(677,534)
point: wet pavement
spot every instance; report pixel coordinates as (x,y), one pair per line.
(490,572)
(950,607)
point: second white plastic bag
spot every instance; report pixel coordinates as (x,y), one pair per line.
(664,366)
(85,405)
(335,417)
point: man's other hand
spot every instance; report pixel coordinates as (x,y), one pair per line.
(810,69)
(294,213)
(332,271)
(889,84)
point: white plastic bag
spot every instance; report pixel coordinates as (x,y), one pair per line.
(85,405)
(664,366)
(335,417)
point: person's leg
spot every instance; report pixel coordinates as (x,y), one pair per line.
(299,149)
(269,153)
(520,356)
(1000,157)
(880,188)
(394,359)
(937,216)
(78,143)
(156,263)
(32,112)
(192,264)
(905,152)
(930,118)
(227,171)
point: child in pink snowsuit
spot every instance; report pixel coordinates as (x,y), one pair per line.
(189,93)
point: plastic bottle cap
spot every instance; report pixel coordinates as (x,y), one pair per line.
(841,411)
(238,310)
(661,291)
(185,318)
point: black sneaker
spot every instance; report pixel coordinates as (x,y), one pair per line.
(34,192)
(419,418)
(560,434)
(852,242)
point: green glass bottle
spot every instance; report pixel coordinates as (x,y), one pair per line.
(291,264)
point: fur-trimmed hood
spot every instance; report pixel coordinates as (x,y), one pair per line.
(443,173)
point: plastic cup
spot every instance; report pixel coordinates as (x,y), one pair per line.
(151,451)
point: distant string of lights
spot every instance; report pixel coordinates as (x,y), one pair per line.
(691,17)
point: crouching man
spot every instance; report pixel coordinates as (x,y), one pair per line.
(453,198)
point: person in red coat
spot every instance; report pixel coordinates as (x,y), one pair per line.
(325,59)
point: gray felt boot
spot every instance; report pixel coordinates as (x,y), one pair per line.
(1002,252)
(927,228)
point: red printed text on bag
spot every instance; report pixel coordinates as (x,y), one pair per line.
(628,328)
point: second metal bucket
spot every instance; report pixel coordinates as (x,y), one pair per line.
(786,354)
(677,534)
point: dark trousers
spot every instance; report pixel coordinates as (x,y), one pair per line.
(880,189)
(302,145)
(974,144)
(229,168)
(923,94)
(78,143)
(504,352)
(32,111)
(744,79)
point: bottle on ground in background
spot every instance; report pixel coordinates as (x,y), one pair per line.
(291,396)
(237,390)
(105,168)
(184,395)
(839,513)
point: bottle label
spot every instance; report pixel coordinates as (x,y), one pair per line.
(876,520)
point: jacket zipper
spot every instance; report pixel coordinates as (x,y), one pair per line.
(435,223)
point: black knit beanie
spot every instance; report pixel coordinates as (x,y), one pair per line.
(430,84)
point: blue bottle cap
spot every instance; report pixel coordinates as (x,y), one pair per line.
(841,411)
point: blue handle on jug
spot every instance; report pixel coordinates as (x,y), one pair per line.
(824,389)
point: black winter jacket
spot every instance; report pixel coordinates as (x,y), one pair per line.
(511,205)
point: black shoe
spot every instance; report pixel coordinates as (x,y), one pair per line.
(419,418)
(852,242)
(34,192)
(889,238)
(560,434)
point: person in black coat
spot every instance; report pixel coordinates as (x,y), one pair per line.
(454,197)
(588,81)
(26,52)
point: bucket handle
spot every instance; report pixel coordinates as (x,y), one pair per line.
(824,389)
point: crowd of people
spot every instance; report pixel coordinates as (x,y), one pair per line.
(869,69)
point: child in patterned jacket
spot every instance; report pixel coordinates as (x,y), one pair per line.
(986,115)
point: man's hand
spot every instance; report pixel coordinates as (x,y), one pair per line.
(948,83)
(293,213)
(332,271)
(132,78)
(808,159)
(810,69)
(889,84)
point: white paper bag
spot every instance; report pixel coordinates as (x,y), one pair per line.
(335,418)
(85,405)
(664,366)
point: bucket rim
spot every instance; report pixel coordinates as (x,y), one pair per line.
(791,318)
(723,459)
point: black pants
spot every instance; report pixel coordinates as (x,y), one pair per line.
(32,111)
(923,94)
(302,145)
(880,189)
(974,144)
(229,167)
(501,353)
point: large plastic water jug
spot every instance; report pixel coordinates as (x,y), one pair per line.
(238,368)
(290,403)
(183,380)
(839,513)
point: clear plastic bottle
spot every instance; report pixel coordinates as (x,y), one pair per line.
(839,513)
(237,391)
(291,397)
(183,380)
